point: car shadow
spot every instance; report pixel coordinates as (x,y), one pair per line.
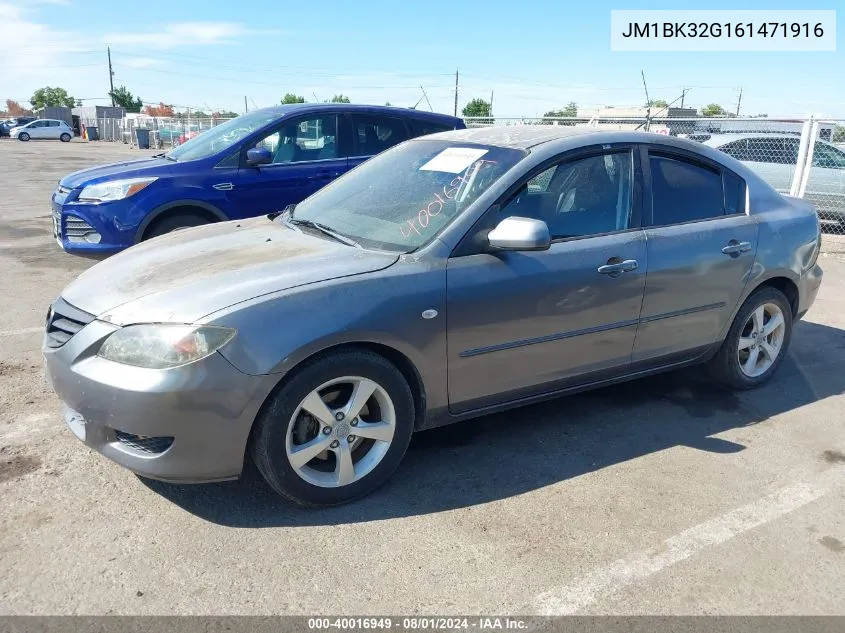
(511,453)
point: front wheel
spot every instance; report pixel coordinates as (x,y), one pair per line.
(65,138)
(23,136)
(757,341)
(336,431)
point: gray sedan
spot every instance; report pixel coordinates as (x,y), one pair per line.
(452,276)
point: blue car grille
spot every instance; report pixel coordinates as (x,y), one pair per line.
(64,321)
(77,227)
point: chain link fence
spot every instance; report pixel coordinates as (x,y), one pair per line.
(165,132)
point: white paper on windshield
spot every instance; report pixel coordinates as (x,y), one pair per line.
(454,160)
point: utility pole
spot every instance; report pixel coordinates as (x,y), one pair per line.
(739,101)
(111,77)
(683,94)
(246,107)
(456,93)
(491,105)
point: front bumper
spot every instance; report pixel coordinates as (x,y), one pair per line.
(89,229)
(189,424)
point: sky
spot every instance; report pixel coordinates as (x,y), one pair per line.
(532,55)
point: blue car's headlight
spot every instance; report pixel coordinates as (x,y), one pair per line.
(164,345)
(114,189)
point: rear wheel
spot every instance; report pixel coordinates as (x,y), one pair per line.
(65,138)
(175,222)
(757,341)
(23,136)
(336,431)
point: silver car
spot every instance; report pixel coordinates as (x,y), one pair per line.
(452,276)
(773,157)
(54,129)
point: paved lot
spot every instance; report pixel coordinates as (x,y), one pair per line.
(660,496)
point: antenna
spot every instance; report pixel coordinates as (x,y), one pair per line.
(426,99)
(647,103)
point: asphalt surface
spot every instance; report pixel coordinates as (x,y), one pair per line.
(662,496)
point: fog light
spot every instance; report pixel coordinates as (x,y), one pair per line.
(93,238)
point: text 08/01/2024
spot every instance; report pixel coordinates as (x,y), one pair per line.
(723,30)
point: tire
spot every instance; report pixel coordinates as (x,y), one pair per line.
(65,138)
(176,222)
(283,425)
(730,365)
(23,136)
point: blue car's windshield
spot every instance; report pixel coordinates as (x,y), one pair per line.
(405,196)
(222,136)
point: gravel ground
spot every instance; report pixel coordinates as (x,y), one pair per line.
(662,496)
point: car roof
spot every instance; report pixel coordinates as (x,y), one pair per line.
(305,108)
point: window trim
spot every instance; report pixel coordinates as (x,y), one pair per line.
(354,136)
(686,156)
(277,127)
(469,243)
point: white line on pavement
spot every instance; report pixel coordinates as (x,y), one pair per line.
(26,330)
(604,581)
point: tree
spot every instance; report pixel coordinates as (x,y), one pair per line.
(713,109)
(838,134)
(160,110)
(476,108)
(570,110)
(51,97)
(126,100)
(387,103)
(292,98)
(658,103)
(225,114)
(340,99)
(199,114)
(13,108)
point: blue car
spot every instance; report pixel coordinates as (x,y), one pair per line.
(257,163)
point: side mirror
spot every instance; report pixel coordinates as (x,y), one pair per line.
(256,156)
(519,234)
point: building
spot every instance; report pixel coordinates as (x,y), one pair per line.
(104,118)
(61,113)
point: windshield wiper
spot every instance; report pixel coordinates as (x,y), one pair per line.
(164,155)
(340,237)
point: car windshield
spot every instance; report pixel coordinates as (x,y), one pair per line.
(223,136)
(405,196)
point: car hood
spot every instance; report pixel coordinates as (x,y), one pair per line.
(186,275)
(112,171)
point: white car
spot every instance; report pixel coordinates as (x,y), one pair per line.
(43,128)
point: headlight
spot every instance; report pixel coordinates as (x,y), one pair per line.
(162,346)
(114,190)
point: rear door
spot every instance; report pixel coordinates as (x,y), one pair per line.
(308,153)
(53,129)
(372,134)
(701,246)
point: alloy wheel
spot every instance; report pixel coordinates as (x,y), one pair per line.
(761,340)
(340,431)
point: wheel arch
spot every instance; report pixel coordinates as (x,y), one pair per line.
(209,211)
(395,357)
(783,280)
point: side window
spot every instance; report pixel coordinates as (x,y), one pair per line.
(777,150)
(53,123)
(828,157)
(580,197)
(421,128)
(683,191)
(374,134)
(37,124)
(734,187)
(303,140)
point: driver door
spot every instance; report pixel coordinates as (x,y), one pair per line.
(307,153)
(525,322)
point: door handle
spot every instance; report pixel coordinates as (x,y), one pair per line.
(615,266)
(734,248)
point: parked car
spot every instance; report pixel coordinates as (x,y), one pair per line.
(774,156)
(41,129)
(187,136)
(449,277)
(253,164)
(8,124)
